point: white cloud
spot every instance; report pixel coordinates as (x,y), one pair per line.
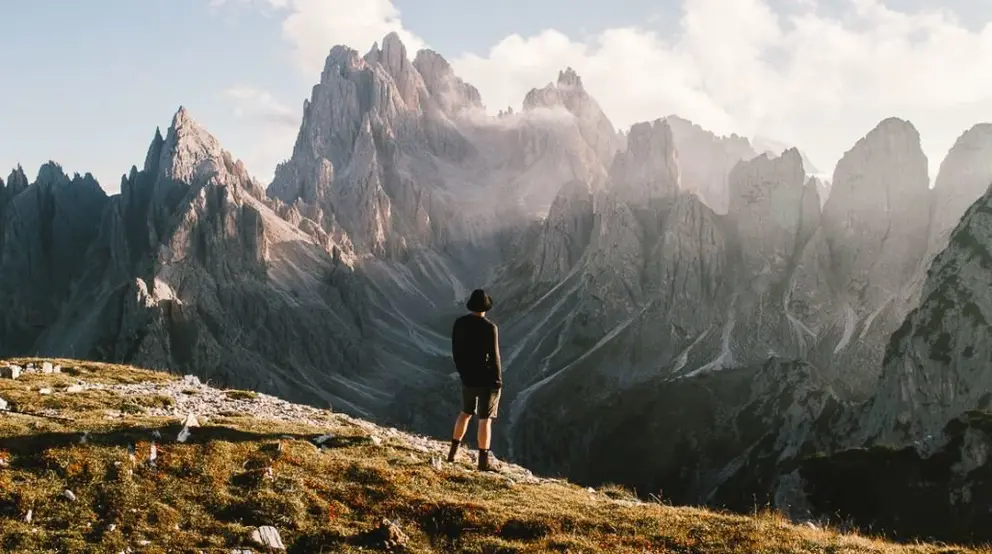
(253,103)
(733,66)
(313,27)
(274,125)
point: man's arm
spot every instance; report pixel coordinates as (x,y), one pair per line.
(456,349)
(496,363)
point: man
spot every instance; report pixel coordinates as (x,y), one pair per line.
(475,349)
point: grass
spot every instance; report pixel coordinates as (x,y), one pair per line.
(237,473)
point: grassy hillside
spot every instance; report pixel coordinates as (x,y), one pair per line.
(253,462)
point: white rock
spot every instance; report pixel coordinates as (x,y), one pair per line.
(268,537)
(28,516)
(4,405)
(323,438)
(45,391)
(71,389)
(183,435)
(10,372)
(112,527)
(191,421)
(47,368)
(69,495)
(376,440)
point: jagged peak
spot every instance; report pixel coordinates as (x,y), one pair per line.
(154,151)
(340,60)
(893,126)
(52,173)
(17,177)
(426,56)
(568,78)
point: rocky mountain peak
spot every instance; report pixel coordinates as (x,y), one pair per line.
(450,92)
(705,160)
(568,93)
(17,181)
(51,173)
(186,148)
(568,79)
(154,152)
(648,169)
(964,176)
(340,62)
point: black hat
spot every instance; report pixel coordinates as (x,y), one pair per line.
(479,302)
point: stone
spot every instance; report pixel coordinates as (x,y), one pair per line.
(268,537)
(10,372)
(47,368)
(74,389)
(319,441)
(28,516)
(4,405)
(376,440)
(44,391)
(69,495)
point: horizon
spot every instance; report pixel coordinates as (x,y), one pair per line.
(265,56)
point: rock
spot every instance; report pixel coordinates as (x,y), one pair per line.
(44,391)
(376,440)
(705,161)
(387,536)
(69,495)
(190,421)
(268,537)
(10,372)
(4,405)
(74,389)
(28,516)
(111,527)
(84,437)
(319,441)
(47,368)
(183,435)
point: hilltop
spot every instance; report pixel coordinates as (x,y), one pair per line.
(126,475)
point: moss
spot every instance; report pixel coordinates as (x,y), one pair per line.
(239,472)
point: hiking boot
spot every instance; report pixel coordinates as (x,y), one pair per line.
(488,461)
(453,451)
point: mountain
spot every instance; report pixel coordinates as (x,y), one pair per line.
(664,263)
(772,147)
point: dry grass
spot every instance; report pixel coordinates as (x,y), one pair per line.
(208,494)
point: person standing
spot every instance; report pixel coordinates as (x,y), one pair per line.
(475,350)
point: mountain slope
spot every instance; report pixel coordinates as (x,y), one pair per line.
(94,483)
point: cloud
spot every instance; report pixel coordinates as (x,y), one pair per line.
(313,27)
(799,75)
(274,125)
(260,105)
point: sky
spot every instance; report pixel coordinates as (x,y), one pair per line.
(87,83)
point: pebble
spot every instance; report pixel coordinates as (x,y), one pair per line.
(319,441)
(112,527)
(69,495)
(376,440)
(45,391)
(268,537)
(47,368)
(72,389)
(4,405)
(29,516)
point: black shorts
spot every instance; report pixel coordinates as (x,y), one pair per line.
(482,399)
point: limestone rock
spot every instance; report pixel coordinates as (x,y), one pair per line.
(705,160)
(268,537)
(963,178)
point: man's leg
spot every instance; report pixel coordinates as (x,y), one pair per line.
(461,423)
(488,407)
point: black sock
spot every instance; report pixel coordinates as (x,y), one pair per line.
(455,442)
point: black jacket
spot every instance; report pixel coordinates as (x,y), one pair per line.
(475,348)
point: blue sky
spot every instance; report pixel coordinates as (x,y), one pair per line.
(88,82)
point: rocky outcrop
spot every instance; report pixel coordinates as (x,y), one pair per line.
(47,230)
(705,160)
(964,176)
(568,92)
(191,271)
(647,170)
